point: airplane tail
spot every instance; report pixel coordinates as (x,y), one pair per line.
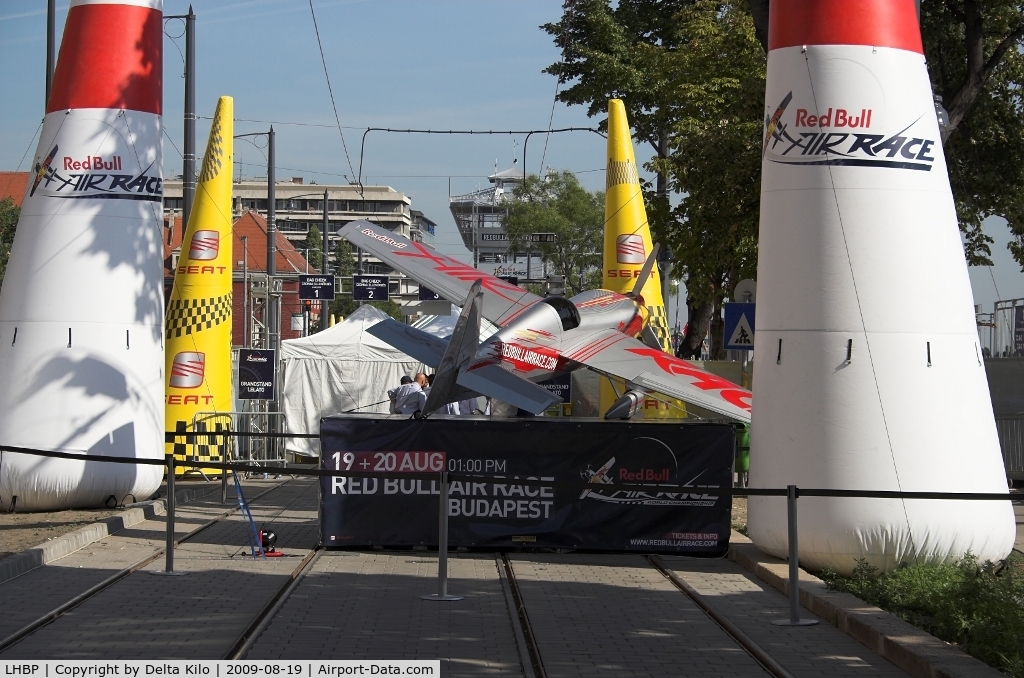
(461,350)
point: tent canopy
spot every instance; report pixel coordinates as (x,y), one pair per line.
(338,370)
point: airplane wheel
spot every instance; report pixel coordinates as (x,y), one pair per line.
(418,414)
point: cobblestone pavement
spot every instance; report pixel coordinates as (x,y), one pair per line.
(368,606)
(152,617)
(752,605)
(615,615)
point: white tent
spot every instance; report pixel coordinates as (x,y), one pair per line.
(443,325)
(339,370)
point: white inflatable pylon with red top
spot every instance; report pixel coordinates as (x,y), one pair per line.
(82,304)
(869,375)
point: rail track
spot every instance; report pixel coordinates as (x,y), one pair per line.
(54,614)
(530,654)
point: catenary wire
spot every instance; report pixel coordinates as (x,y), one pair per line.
(329,89)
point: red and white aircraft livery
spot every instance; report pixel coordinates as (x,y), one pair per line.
(539,338)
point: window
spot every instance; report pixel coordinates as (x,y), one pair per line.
(566,311)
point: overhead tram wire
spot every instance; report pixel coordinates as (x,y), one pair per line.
(362,146)
(329,89)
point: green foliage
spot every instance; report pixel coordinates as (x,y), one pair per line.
(559,204)
(715,149)
(615,53)
(9,214)
(343,306)
(691,74)
(976,606)
(985,153)
(314,249)
(344,260)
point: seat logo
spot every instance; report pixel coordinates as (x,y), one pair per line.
(188,369)
(204,246)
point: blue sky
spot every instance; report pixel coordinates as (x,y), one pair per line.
(440,64)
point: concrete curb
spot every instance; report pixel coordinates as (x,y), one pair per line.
(918,653)
(47,552)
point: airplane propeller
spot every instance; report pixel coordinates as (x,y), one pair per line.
(645,273)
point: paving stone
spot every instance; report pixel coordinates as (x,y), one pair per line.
(752,606)
(156,617)
(615,615)
(367,606)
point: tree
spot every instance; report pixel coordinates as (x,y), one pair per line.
(605,50)
(344,305)
(344,259)
(691,74)
(714,161)
(973,50)
(314,248)
(9,214)
(559,204)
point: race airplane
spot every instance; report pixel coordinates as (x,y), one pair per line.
(539,338)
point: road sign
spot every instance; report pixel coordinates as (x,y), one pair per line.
(370,287)
(316,287)
(256,374)
(427,294)
(739,326)
(542,237)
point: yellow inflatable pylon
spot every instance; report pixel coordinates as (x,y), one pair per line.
(198,322)
(627,244)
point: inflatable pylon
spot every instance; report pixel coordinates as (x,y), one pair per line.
(869,372)
(81,311)
(198,329)
(627,235)
(627,244)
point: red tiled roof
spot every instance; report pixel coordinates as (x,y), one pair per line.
(13,185)
(254,228)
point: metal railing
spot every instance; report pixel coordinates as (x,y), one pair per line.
(791,492)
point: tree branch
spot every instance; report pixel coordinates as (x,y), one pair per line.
(759,12)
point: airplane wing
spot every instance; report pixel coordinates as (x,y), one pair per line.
(486,379)
(448,277)
(619,355)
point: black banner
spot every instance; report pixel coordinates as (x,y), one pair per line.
(255,374)
(370,287)
(575,506)
(314,287)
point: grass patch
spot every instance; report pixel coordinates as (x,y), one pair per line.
(976,606)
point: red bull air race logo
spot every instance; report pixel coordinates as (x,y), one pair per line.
(93,177)
(840,136)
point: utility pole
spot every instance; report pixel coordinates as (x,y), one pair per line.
(51,47)
(188,177)
(273,324)
(325,242)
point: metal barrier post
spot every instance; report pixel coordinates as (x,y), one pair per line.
(223,486)
(442,547)
(794,565)
(169,548)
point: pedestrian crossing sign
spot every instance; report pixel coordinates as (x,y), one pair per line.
(739,326)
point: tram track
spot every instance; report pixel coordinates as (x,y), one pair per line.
(530,655)
(57,612)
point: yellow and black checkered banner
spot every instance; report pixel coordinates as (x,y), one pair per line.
(198,322)
(191,316)
(187,441)
(659,323)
